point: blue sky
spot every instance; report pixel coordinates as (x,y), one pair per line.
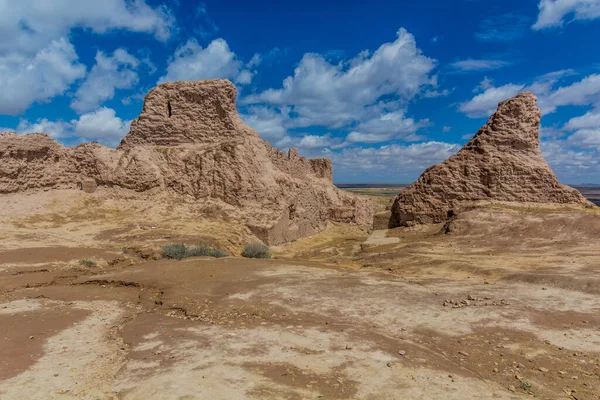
(385,89)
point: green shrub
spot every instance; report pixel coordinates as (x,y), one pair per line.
(199,250)
(180,251)
(87,263)
(256,250)
(217,253)
(176,251)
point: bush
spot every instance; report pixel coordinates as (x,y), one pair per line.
(180,251)
(217,253)
(256,250)
(177,251)
(199,250)
(87,263)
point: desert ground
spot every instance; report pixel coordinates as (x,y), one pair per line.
(502,303)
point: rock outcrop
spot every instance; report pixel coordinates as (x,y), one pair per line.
(502,162)
(190,141)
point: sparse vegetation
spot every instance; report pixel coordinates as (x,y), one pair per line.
(180,251)
(87,263)
(256,250)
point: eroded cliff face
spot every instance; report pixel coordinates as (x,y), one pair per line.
(189,140)
(502,162)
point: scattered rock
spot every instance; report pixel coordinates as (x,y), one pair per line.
(402,352)
(544,370)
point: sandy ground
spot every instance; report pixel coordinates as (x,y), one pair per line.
(504,306)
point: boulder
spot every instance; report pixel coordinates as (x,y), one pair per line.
(502,162)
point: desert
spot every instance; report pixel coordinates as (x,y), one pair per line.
(501,298)
(307,210)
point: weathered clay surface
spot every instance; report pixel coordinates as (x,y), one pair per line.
(189,140)
(502,162)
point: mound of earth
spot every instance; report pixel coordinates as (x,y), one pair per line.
(502,162)
(190,141)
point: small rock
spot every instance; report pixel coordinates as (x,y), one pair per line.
(511,388)
(544,370)
(389,364)
(31,337)
(574,377)
(562,372)
(402,352)
(463,353)
(469,297)
(495,370)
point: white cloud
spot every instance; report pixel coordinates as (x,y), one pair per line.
(478,65)
(583,92)
(484,104)
(585,138)
(591,119)
(38,62)
(192,62)
(109,73)
(314,141)
(49,73)
(102,126)
(385,127)
(27,26)
(267,122)
(553,12)
(391,161)
(446,129)
(576,166)
(56,129)
(580,93)
(335,95)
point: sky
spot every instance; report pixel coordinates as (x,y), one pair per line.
(383,88)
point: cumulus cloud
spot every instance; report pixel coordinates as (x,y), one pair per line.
(580,93)
(570,164)
(25,80)
(109,73)
(364,97)
(56,129)
(553,12)
(478,65)
(335,95)
(590,120)
(267,122)
(315,141)
(27,26)
(484,104)
(38,62)
(101,125)
(385,127)
(192,62)
(392,162)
